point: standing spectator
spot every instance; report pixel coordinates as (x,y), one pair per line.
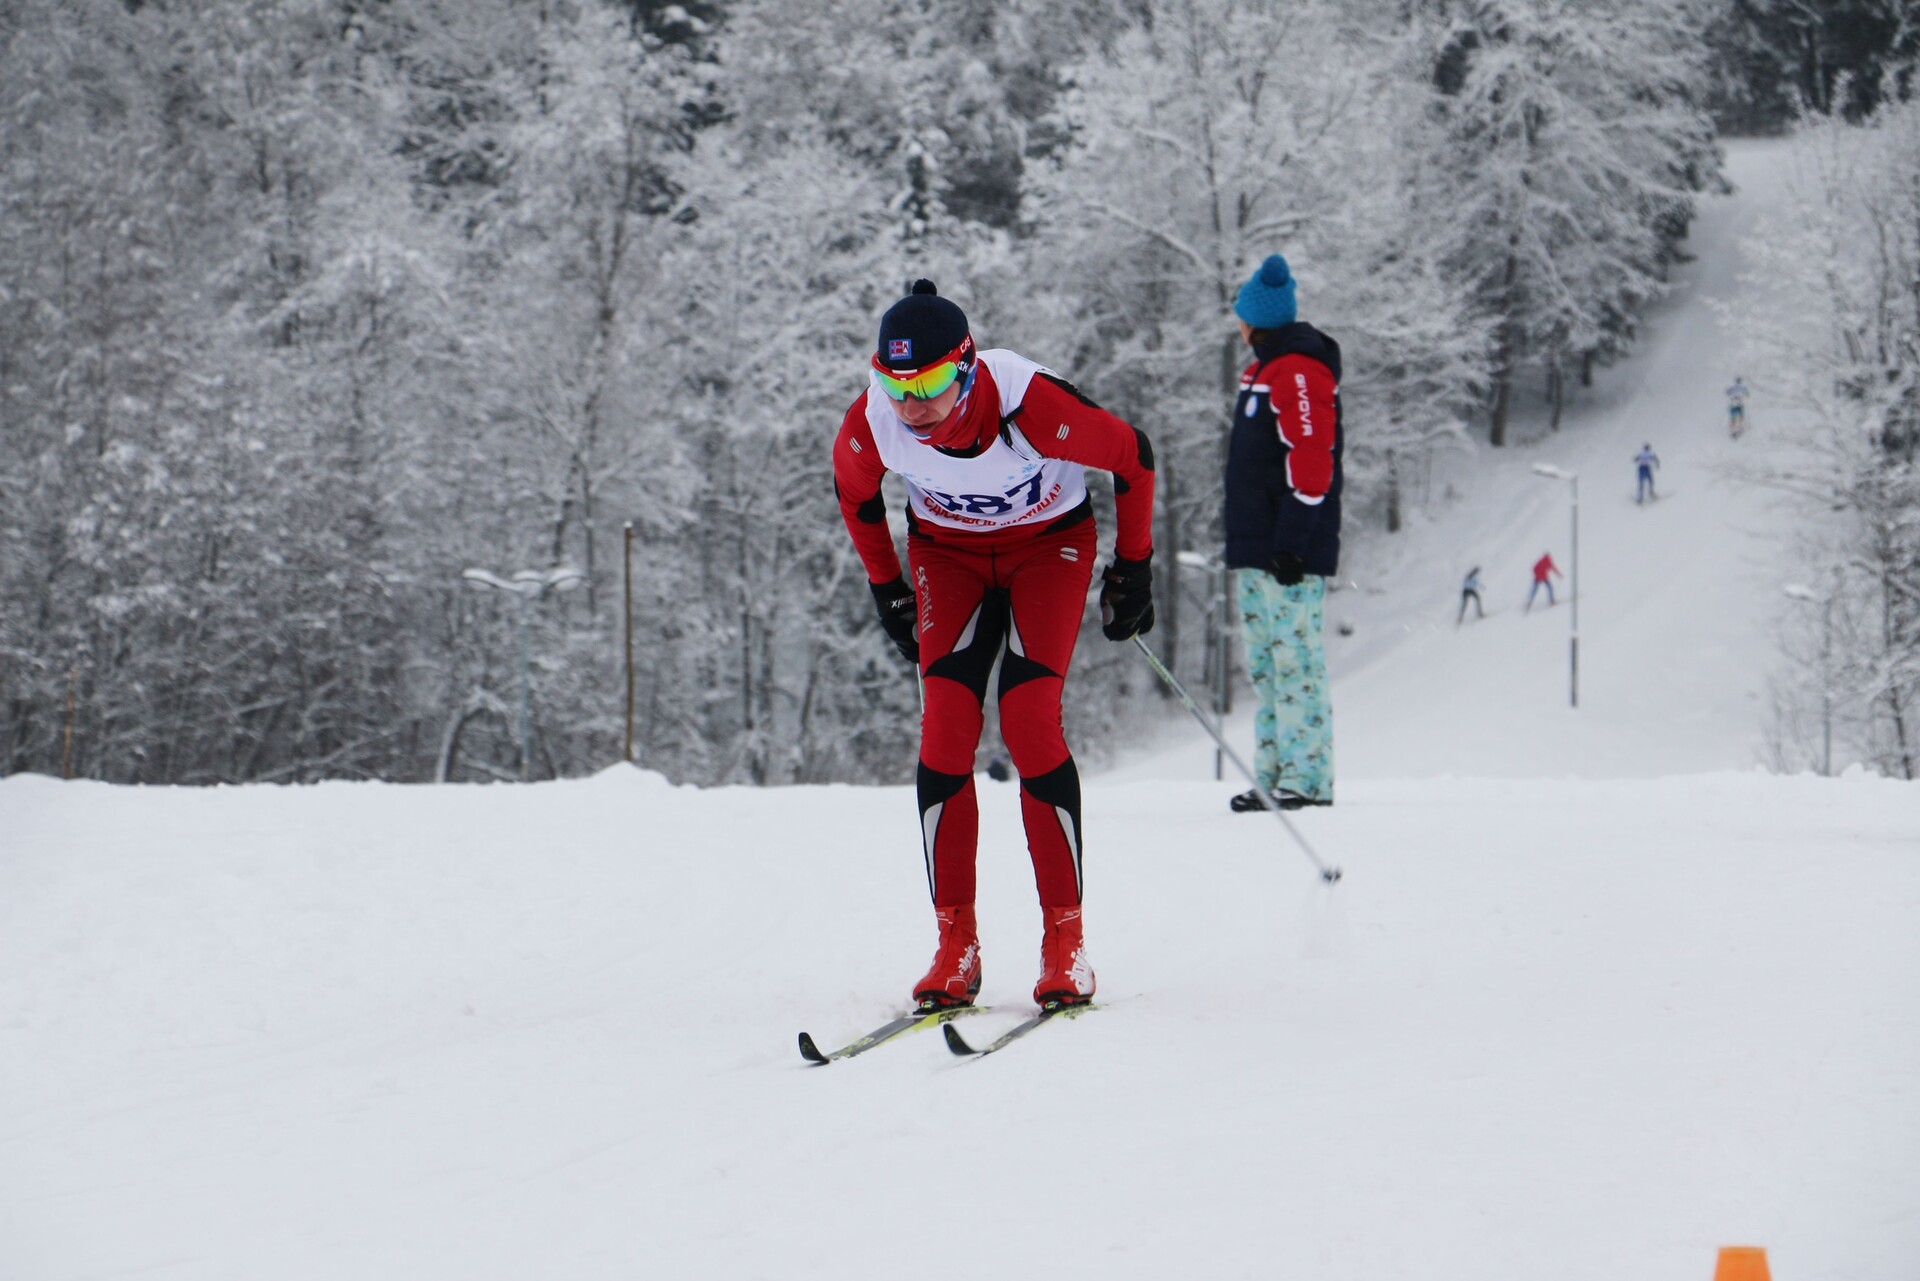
(1736,407)
(1541,569)
(1470,591)
(1645,461)
(1283,534)
(1000,541)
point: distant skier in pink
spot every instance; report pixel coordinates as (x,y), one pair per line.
(1542,569)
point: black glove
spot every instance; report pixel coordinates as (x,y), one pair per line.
(1126,601)
(1287,569)
(899,615)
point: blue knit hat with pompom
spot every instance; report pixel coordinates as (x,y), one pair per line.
(1266,300)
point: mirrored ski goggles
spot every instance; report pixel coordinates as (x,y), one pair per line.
(927,381)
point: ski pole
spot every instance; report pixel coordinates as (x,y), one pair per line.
(1327,873)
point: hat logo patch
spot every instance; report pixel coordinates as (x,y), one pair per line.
(899,349)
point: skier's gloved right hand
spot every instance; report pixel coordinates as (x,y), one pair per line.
(1287,569)
(899,615)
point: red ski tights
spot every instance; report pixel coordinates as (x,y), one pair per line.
(1027,599)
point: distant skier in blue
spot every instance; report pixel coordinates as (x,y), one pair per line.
(1646,460)
(1470,591)
(1736,406)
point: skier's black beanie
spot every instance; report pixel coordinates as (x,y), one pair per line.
(920,328)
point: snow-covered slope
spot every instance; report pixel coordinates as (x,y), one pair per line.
(1678,598)
(1603,1000)
(1584,1030)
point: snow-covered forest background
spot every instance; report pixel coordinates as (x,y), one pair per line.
(309,306)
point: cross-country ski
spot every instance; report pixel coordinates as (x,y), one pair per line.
(1050,1013)
(886,1032)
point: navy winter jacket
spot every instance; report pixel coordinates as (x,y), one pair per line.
(1284,473)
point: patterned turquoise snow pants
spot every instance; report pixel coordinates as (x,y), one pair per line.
(1293,729)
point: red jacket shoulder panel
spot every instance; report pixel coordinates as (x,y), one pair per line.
(1303,394)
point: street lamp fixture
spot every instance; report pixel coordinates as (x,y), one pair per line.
(1551,472)
(529,585)
(528,582)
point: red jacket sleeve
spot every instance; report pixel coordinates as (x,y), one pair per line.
(857,473)
(1301,391)
(1060,424)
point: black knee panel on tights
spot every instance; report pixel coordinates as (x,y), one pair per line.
(935,788)
(973,666)
(1058,787)
(1017,669)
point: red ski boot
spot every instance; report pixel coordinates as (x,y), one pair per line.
(955,976)
(1066,976)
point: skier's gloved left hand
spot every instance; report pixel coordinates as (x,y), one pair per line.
(1126,599)
(1287,569)
(899,615)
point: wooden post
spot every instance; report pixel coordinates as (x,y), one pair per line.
(66,750)
(628,577)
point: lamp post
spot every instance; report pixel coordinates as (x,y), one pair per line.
(1219,611)
(1573,582)
(626,614)
(529,585)
(1807,594)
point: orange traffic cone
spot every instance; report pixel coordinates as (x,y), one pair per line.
(1742,1263)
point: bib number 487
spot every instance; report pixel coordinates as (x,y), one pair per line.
(991,504)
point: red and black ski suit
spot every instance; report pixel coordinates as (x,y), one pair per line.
(1000,541)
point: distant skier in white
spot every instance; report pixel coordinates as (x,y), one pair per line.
(1736,407)
(1646,461)
(1470,591)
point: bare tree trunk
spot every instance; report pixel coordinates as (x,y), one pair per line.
(1556,391)
(1502,402)
(1506,356)
(1890,640)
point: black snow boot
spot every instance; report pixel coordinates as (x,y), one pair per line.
(1248,802)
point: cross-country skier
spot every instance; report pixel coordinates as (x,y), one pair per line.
(1470,591)
(1541,569)
(1000,543)
(1736,407)
(1645,462)
(1283,533)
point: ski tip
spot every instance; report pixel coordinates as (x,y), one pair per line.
(809,1051)
(956,1042)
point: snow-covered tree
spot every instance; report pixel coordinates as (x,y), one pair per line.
(1773,57)
(308,305)
(1204,139)
(1573,149)
(1832,309)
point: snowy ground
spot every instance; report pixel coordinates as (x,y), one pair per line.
(1594,998)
